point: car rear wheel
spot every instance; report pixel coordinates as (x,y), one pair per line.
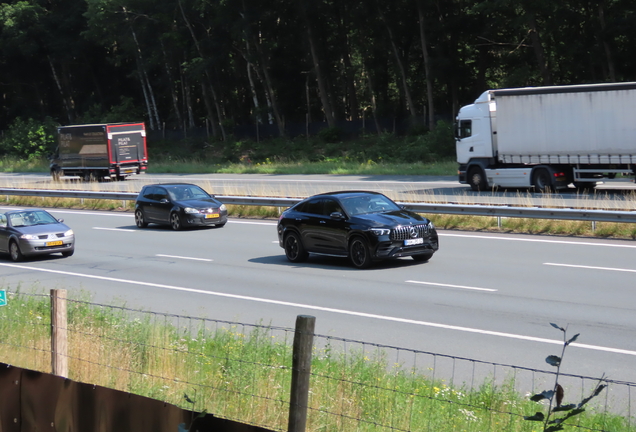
(359,253)
(140,220)
(294,249)
(15,252)
(423,257)
(68,253)
(175,221)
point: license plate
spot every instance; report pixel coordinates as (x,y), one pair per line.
(411,242)
(212,216)
(54,243)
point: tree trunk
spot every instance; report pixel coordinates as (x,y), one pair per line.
(611,70)
(206,80)
(400,64)
(171,81)
(67,101)
(539,52)
(322,85)
(427,67)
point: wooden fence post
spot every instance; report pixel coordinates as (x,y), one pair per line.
(301,369)
(59,341)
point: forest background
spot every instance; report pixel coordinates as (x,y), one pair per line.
(207,73)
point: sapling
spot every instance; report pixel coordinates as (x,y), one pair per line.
(555,396)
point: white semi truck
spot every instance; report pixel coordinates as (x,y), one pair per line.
(547,138)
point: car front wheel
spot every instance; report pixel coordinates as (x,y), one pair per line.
(15,252)
(175,221)
(140,220)
(294,249)
(359,253)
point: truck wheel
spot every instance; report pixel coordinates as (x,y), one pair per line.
(542,180)
(477,179)
(55,175)
(89,177)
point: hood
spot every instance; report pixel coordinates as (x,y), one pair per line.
(394,218)
(42,229)
(199,203)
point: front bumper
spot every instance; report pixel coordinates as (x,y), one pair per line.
(396,249)
(200,219)
(40,247)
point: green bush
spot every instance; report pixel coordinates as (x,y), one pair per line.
(29,139)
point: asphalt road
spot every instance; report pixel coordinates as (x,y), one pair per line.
(615,194)
(482,297)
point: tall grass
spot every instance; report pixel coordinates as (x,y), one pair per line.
(242,372)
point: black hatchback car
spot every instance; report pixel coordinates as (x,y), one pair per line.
(364,226)
(179,205)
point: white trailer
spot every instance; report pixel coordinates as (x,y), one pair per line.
(547,137)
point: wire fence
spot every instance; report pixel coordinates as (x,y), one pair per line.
(243,372)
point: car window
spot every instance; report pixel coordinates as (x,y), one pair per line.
(149,192)
(331,206)
(3,221)
(313,206)
(160,193)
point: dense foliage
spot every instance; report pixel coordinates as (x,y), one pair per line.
(184,64)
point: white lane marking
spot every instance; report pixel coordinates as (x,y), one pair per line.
(536,240)
(114,229)
(325,309)
(451,286)
(591,267)
(252,223)
(185,258)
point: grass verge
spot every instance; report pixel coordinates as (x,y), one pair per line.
(243,374)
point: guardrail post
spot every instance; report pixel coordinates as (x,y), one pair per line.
(59,338)
(301,370)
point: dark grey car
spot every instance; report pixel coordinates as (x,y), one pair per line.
(34,232)
(179,205)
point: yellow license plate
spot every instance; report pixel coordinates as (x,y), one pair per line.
(54,243)
(212,216)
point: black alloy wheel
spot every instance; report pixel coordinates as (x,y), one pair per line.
(140,220)
(175,221)
(294,249)
(359,253)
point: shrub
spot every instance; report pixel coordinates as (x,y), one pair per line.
(29,139)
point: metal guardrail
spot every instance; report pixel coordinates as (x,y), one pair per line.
(619,216)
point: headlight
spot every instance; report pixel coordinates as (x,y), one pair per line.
(380,231)
(431,227)
(222,208)
(190,210)
(68,233)
(29,237)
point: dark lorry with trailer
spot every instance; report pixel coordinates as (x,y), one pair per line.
(95,152)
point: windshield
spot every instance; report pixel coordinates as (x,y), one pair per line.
(365,204)
(186,192)
(31,217)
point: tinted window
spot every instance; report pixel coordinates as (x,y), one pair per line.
(331,206)
(313,206)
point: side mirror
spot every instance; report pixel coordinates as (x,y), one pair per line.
(164,201)
(336,215)
(60,220)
